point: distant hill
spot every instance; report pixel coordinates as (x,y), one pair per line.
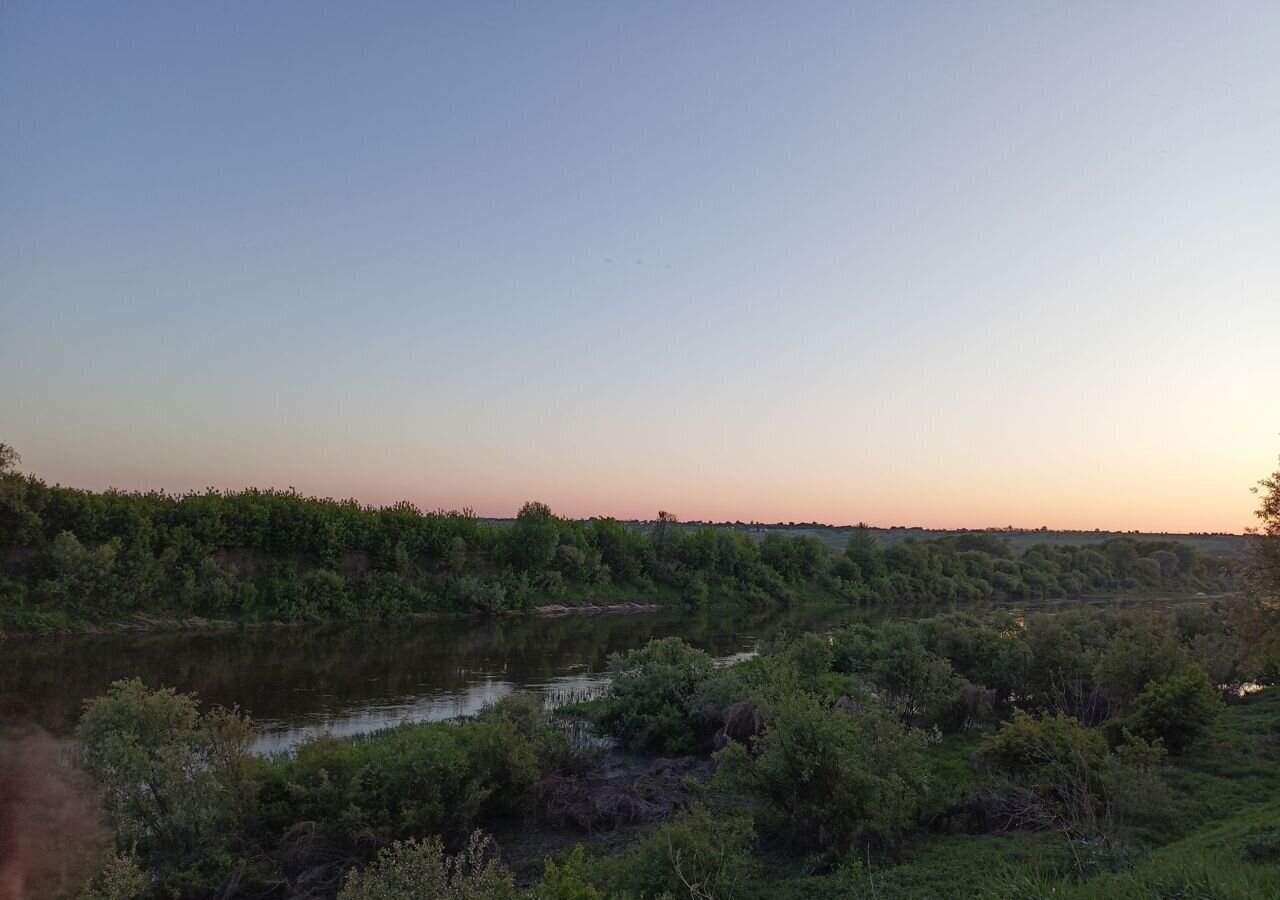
(1020,539)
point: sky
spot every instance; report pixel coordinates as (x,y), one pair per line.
(950,265)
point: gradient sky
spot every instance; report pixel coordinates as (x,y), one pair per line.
(938,264)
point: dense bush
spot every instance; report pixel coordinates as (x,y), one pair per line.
(651,699)
(828,742)
(416,779)
(1136,657)
(183,791)
(414,870)
(829,777)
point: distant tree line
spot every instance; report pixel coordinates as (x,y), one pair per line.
(73,557)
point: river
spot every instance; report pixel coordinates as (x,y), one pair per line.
(348,679)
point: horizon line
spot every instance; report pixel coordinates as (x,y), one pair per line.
(441,510)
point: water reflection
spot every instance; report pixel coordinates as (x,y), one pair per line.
(356,678)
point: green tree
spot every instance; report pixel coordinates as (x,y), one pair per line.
(82,578)
(915,681)
(119,878)
(1176,710)
(622,549)
(666,536)
(533,537)
(1136,657)
(9,458)
(177,783)
(1258,618)
(863,551)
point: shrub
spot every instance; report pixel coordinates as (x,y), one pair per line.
(1054,770)
(1134,658)
(812,657)
(696,855)
(414,870)
(1176,710)
(651,703)
(551,583)
(829,777)
(853,649)
(417,779)
(118,878)
(176,782)
(566,881)
(916,681)
(1055,671)
(571,561)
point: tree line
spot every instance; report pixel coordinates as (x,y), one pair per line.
(73,557)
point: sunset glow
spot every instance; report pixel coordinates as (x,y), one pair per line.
(732,263)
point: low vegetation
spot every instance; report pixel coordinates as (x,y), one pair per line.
(871,762)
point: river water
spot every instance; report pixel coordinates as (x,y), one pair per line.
(349,679)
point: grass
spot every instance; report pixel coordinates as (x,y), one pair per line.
(939,868)
(1236,764)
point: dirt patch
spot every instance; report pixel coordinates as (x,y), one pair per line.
(609,805)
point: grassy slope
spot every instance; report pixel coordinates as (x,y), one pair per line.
(1219,839)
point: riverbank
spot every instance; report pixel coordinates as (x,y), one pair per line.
(845,766)
(351,678)
(81,561)
(140,623)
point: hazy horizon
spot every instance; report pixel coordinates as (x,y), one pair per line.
(644,517)
(942,266)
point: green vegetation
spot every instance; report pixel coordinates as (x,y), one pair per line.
(872,762)
(413,870)
(74,559)
(1261,615)
(183,793)
(1086,754)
